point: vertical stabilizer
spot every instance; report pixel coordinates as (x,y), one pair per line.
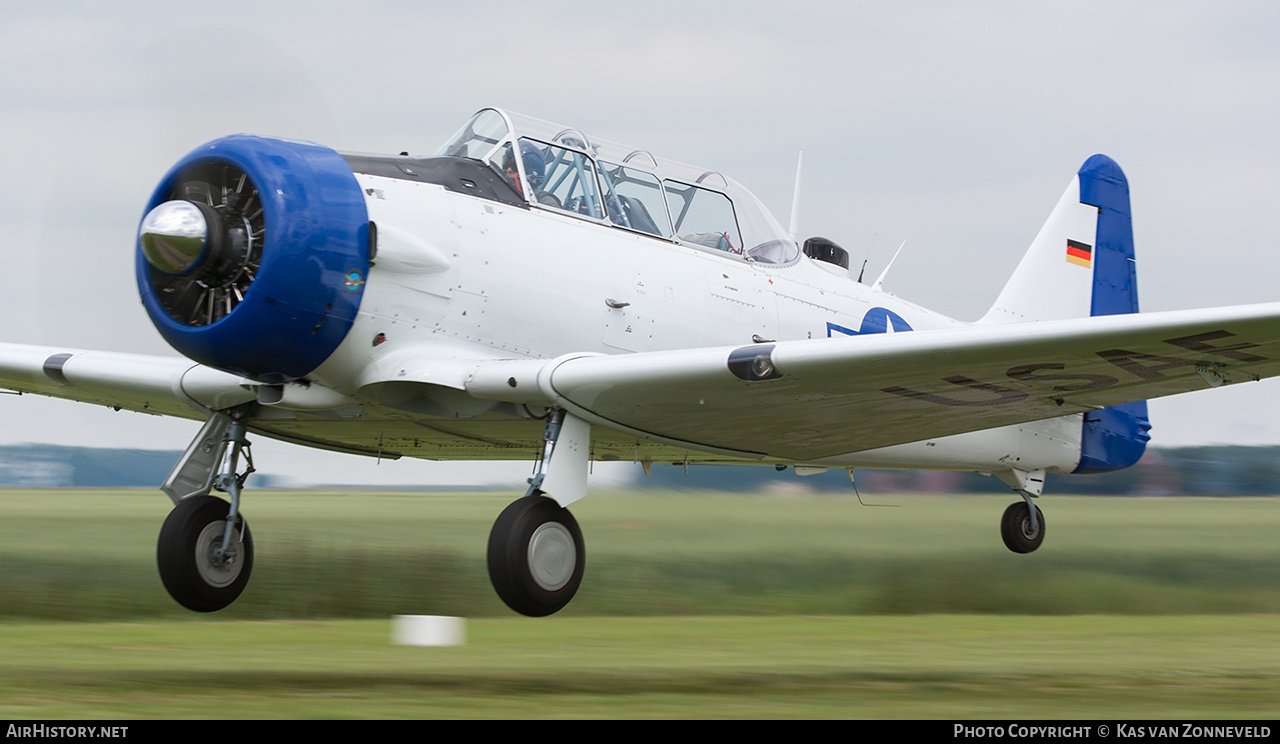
(1082,264)
(1055,279)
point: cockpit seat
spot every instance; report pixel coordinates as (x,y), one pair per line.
(630,212)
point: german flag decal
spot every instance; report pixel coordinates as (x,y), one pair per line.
(1080,254)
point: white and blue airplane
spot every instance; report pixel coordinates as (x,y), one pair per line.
(532,292)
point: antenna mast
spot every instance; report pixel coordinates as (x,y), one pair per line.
(795,202)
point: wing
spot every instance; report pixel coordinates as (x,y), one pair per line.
(805,400)
(796,401)
(178,387)
(149,384)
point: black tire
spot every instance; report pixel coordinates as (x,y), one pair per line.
(1015,528)
(190,532)
(536,556)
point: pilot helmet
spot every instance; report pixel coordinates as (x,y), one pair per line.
(535,166)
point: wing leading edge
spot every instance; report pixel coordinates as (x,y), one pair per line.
(804,400)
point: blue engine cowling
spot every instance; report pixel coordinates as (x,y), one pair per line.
(253,254)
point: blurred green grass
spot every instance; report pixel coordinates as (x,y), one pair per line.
(88,555)
(911,667)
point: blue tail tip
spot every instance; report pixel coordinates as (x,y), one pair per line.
(1103,184)
(1103,167)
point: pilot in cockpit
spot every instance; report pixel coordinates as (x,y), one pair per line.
(535,166)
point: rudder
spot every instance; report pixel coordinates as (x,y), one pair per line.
(1114,437)
(1081,264)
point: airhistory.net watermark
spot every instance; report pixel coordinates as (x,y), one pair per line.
(59,731)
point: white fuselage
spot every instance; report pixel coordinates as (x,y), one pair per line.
(461,277)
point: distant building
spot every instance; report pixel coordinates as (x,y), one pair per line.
(55,466)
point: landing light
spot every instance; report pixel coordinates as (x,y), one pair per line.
(753,363)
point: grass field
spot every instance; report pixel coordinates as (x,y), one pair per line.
(694,605)
(930,666)
(90,555)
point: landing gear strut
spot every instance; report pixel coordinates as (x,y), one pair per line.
(536,555)
(205,550)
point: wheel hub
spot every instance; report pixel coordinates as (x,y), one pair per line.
(552,556)
(217,567)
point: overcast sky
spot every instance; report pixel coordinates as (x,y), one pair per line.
(952,126)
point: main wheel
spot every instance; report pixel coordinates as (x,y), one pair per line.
(189,568)
(1015,528)
(536,556)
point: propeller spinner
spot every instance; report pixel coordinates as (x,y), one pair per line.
(204,243)
(175,235)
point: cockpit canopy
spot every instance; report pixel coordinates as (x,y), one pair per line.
(560,168)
